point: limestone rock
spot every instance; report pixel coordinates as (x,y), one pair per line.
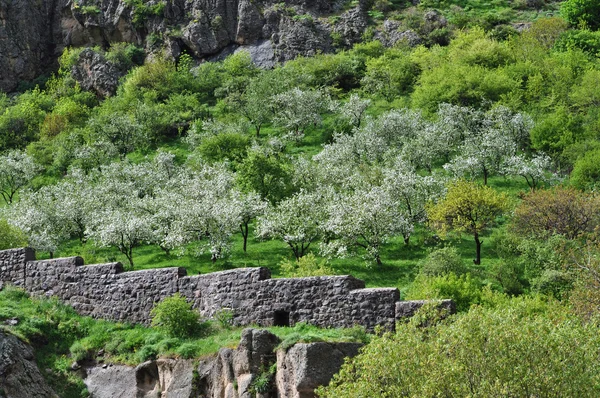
(19,374)
(304,367)
(95,73)
(351,26)
(111,382)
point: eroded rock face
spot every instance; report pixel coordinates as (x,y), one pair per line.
(95,73)
(33,33)
(19,374)
(304,367)
(231,373)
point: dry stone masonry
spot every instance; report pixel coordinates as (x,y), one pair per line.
(106,291)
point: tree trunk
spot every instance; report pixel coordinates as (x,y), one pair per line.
(478,243)
(244,229)
(378,260)
(406,239)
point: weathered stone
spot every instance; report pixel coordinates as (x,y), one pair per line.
(19,375)
(111,382)
(304,367)
(94,73)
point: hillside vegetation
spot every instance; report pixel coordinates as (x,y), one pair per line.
(465,167)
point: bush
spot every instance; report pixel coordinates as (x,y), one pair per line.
(561,211)
(11,236)
(582,13)
(463,290)
(443,261)
(79,352)
(586,172)
(307,265)
(523,349)
(176,317)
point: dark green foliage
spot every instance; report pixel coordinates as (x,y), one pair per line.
(267,174)
(582,13)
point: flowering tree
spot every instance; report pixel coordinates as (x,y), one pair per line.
(297,109)
(16,170)
(365,218)
(411,192)
(297,221)
(536,170)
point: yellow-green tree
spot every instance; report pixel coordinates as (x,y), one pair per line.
(468,208)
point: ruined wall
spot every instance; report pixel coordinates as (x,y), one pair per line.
(106,291)
(12,265)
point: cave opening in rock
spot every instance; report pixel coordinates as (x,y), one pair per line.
(282,318)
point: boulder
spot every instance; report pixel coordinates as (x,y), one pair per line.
(19,374)
(95,73)
(304,367)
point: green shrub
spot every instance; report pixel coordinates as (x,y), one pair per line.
(584,40)
(443,261)
(176,317)
(188,350)
(586,172)
(307,265)
(11,236)
(79,352)
(524,348)
(582,13)
(463,290)
(224,317)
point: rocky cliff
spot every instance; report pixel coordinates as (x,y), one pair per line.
(253,369)
(33,33)
(19,375)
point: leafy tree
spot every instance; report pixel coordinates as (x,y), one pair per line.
(266,173)
(468,208)
(17,169)
(562,210)
(254,103)
(582,13)
(390,75)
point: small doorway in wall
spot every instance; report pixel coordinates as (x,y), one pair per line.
(282,318)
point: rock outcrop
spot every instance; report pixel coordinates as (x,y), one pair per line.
(33,33)
(94,73)
(19,374)
(244,372)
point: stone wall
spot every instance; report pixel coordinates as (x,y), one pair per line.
(12,265)
(106,291)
